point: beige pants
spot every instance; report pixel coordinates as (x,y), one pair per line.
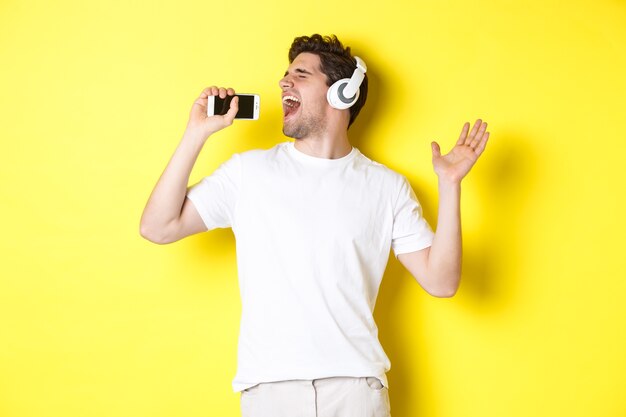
(325,397)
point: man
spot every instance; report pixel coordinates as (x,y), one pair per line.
(314,221)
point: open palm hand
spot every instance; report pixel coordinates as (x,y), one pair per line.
(455,165)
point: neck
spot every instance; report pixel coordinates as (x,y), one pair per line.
(321,147)
(331,143)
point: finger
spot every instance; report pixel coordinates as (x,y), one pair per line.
(470,138)
(463,135)
(481,146)
(201,101)
(230,91)
(436,149)
(479,135)
(222,92)
(232,111)
(205,92)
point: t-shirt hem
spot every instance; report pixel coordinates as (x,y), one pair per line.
(202,211)
(241,386)
(412,247)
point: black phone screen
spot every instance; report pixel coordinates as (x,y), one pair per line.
(246,106)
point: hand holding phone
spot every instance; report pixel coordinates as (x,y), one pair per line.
(201,123)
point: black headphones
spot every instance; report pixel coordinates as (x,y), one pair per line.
(344,93)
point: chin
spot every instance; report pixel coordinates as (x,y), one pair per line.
(292,133)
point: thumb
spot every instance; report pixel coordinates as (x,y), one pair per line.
(436,149)
(232,111)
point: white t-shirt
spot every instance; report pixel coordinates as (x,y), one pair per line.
(313,237)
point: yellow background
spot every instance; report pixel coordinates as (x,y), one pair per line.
(94,97)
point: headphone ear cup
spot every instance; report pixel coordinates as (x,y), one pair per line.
(336,98)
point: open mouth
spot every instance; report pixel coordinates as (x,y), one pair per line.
(290,105)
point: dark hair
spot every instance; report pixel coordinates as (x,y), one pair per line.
(336,63)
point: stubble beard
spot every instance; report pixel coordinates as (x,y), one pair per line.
(300,129)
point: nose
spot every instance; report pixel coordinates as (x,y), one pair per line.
(285,82)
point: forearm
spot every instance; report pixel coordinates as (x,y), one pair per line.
(166,201)
(444,261)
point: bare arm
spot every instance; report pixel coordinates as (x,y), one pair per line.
(438,268)
(169,215)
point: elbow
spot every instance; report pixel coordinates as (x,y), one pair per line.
(153,235)
(446,288)
(444,293)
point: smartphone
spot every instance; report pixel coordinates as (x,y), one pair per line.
(249,105)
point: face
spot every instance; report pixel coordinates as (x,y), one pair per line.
(304,97)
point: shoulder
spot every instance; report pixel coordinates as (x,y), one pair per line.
(378,169)
(263,154)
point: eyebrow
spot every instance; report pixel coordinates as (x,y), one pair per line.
(301,71)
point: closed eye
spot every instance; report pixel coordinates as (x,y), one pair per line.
(301,72)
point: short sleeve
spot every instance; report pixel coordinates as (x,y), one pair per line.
(215,196)
(410,232)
